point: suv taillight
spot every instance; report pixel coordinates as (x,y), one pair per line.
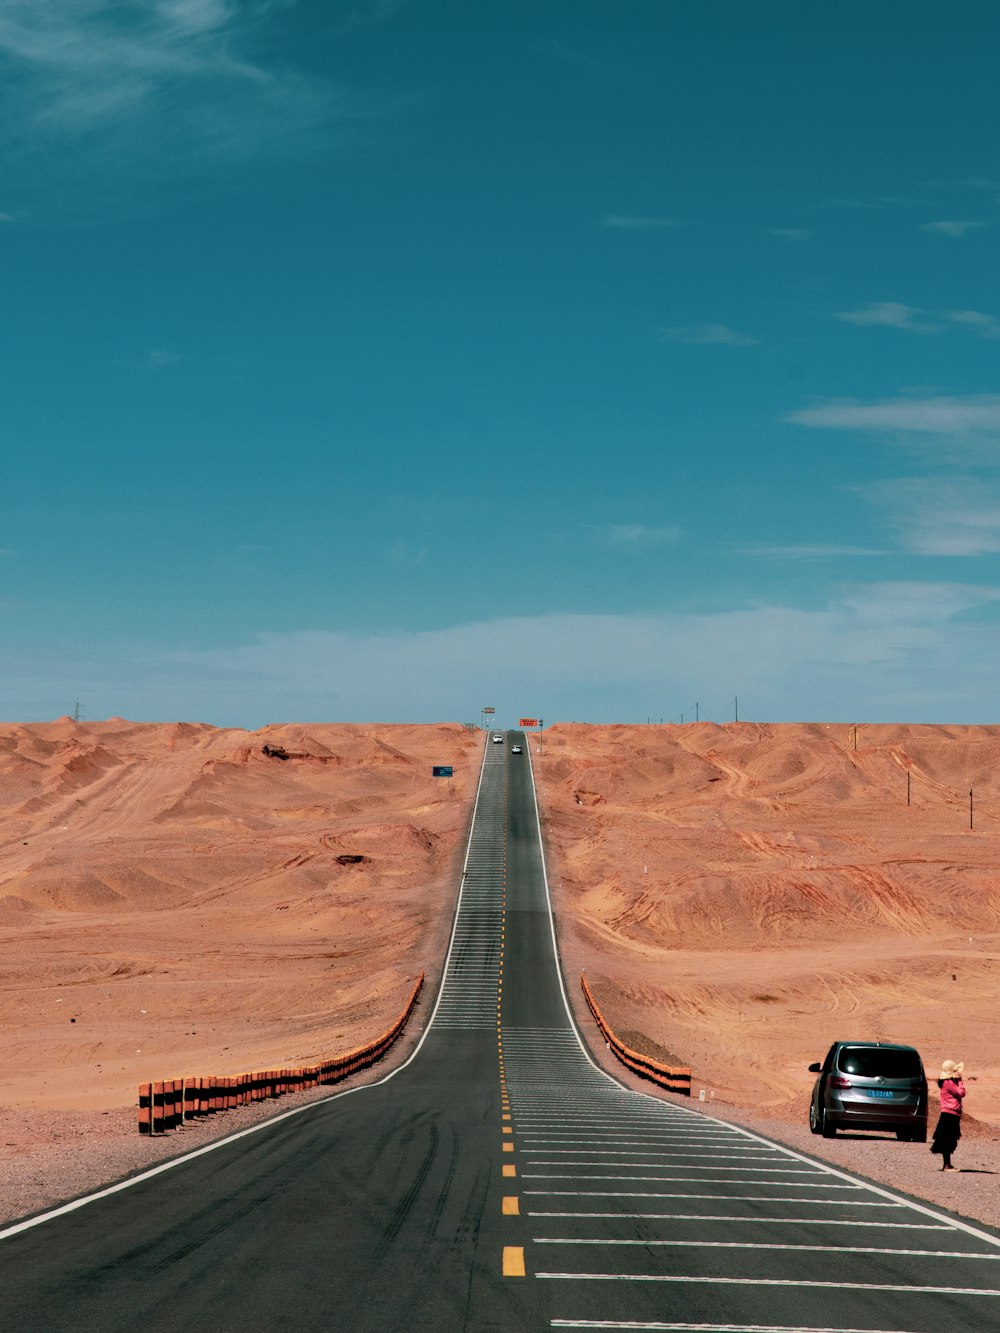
(838,1081)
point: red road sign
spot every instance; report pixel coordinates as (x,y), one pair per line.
(528,722)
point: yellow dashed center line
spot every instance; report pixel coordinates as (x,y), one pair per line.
(513,1261)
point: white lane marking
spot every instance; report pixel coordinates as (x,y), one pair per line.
(769,1282)
(852,1222)
(647,1138)
(709,1328)
(766,1245)
(706,1328)
(739,1198)
(619,1153)
(719,1180)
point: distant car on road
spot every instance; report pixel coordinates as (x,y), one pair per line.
(515,749)
(870,1085)
(498,740)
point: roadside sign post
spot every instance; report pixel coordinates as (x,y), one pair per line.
(442,771)
(533,722)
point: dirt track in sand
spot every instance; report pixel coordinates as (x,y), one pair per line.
(743,895)
(172,899)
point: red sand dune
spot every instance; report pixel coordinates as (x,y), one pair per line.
(740,896)
(172,902)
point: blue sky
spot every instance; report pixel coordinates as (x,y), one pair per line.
(380,360)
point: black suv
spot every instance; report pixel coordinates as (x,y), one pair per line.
(870,1085)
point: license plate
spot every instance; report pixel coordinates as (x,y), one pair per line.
(878,1092)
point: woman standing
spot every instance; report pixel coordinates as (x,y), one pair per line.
(948,1129)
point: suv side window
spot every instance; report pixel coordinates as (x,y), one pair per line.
(828,1062)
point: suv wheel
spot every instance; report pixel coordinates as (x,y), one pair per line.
(815,1120)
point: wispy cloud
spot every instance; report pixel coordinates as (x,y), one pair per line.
(152,86)
(633,223)
(895,315)
(956,230)
(942,516)
(976,415)
(987,326)
(816,551)
(893,651)
(640,535)
(888,314)
(707,335)
(789,233)
(157,358)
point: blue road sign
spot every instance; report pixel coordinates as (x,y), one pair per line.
(442,771)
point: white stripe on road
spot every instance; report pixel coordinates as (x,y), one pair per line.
(756,1221)
(742,1198)
(767,1245)
(709,1328)
(680,1279)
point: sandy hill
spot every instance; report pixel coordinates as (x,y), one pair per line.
(182,899)
(743,895)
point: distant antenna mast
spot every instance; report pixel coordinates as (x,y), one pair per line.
(76,712)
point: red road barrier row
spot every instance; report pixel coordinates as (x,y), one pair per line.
(676,1080)
(166,1104)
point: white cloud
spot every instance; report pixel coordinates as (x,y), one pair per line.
(896,651)
(707,335)
(912,651)
(942,516)
(815,551)
(157,357)
(622,223)
(887,314)
(987,326)
(975,415)
(188,76)
(641,535)
(956,230)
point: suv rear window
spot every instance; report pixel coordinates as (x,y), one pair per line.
(878,1062)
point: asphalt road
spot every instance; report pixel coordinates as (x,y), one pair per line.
(500,1181)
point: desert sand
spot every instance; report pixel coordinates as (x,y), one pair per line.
(175,901)
(740,896)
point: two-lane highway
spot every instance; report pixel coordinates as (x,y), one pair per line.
(499,1180)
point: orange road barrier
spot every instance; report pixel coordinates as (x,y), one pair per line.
(675,1080)
(167,1105)
(145,1108)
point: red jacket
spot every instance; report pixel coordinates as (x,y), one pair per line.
(952,1092)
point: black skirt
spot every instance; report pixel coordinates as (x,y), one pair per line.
(947,1133)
